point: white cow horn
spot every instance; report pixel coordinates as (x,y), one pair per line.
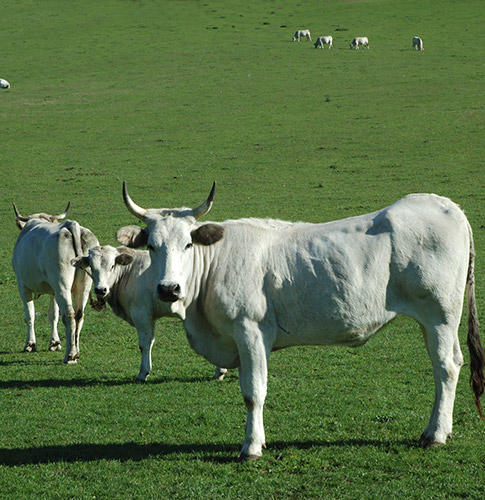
(131,205)
(17,214)
(61,216)
(207,205)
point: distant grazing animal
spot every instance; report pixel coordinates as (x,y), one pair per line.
(4,84)
(324,40)
(417,43)
(244,288)
(301,33)
(360,40)
(121,277)
(41,260)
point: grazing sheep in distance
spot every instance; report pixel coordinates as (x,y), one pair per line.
(4,84)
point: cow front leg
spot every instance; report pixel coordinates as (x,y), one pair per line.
(53,315)
(146,339)
(253,378)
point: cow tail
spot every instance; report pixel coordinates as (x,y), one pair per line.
(75,229)
(477,356)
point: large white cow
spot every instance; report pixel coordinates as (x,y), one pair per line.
(359,40)
(41,260)
(122,277)
(246,287)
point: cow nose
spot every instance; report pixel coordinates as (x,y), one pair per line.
(168,293)
(102,291)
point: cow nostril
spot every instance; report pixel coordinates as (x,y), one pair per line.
(168,293)
(100,291)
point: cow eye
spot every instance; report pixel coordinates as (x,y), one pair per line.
(189,245)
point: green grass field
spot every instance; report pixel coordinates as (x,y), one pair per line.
(172,95)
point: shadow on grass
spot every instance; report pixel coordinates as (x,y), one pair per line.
(216,453)
(87,382)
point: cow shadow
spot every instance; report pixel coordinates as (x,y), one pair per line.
(89,382)
(215,453)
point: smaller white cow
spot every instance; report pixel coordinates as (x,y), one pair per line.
(324,40)
(360,40)
(4,84)
(41,261)
(417,43)
(122,279)
(302,33)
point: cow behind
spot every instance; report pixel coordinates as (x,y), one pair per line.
(121,277)
(417,43)
(359,40)
(41,261)
(244,288)
(324,40)
(302,33)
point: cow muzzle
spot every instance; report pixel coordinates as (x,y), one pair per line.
(169,293)
(101,292)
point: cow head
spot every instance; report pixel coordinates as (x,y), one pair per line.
(104,262)
(21,220)
(172,236)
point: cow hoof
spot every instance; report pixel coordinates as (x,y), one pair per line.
(71,361)
(30,347)
(140,379)
(426,442)
(219,374)
(55,346)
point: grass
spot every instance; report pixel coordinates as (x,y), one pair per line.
(170,96)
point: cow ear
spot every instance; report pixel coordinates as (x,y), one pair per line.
(80,262)
(208,234)
(132,236)
(123,259)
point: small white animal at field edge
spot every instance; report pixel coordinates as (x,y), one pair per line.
(360,40)
(301,33)
(4,84)
(417,43)
(324,40)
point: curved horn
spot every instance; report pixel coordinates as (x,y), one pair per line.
(207,205)
(131,205)
(17,214)
(61,216)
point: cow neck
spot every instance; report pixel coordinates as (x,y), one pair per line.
(202,267)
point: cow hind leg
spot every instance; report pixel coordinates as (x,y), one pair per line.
(219,374)
(53,315)
(80,291)
(29,311)
(69,319)
(447,360)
